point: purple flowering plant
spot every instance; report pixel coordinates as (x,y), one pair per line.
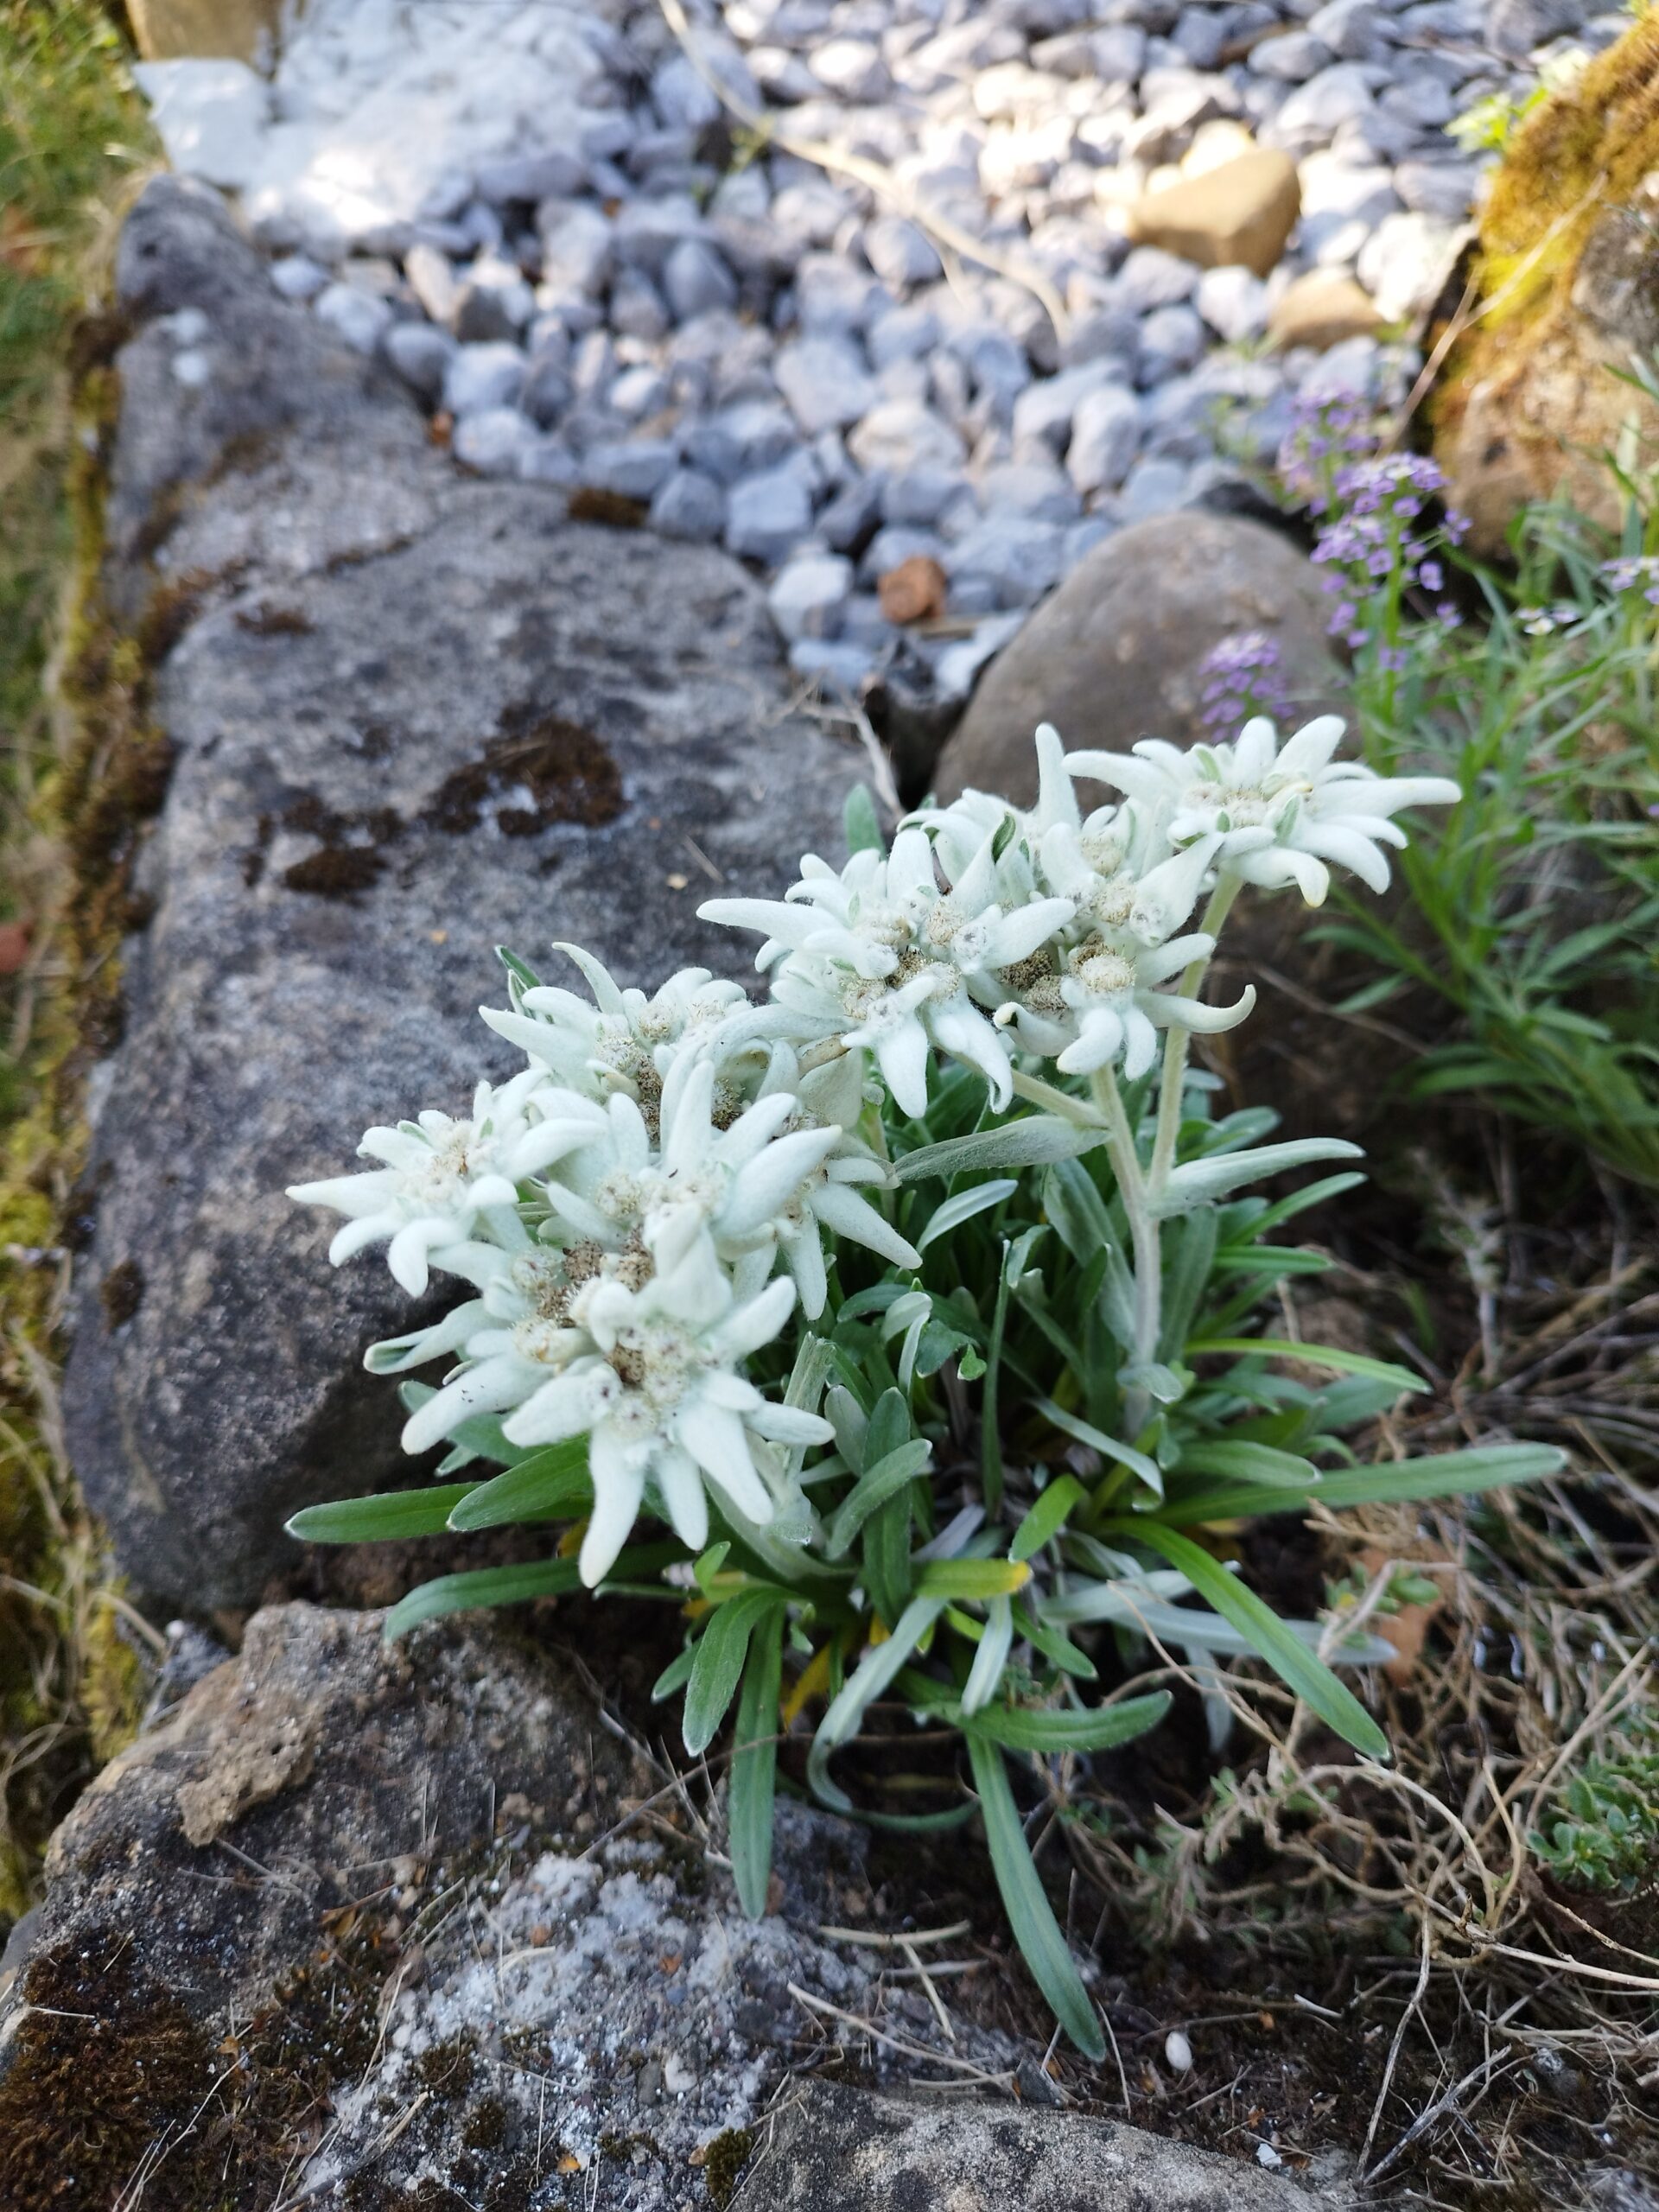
(1533,910)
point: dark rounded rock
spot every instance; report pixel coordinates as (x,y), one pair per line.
(1117,653)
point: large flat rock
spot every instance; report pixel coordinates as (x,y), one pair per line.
(413,717)
(838,2149)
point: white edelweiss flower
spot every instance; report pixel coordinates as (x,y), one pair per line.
(830,1095)
(1111,987)
(881,956)
(735,1181)
(621,1041)
(654,1386)
(1277,816)
(442,1176)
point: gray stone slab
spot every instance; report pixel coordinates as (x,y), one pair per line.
(414,717)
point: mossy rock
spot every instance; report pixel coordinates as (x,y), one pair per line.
(1535,396)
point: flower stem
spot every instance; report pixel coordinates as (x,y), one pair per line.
(1148,1248)
(1173,1080)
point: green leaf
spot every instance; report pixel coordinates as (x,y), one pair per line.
(754,1765)
(873,1488)
(1123,1455)
(675,1675)
(1019,1728)
(383,1517)
(522,974)
(1054,1645)
(1339,1363)
(486,1585)
(860,823)
(971,1578)
(1451,1474)
(1195,1180)
(1291,1660)
(553,1484)
(980,1198)
(1240,1459)
(718,1666)
(846,1709)
(1035,1929)
(1046,1517)
(1031,1141)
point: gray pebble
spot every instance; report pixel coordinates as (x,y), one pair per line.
(483,377)
(296,276)
(1152,279)
(1172,340)
(839,667)
(921,495)
(689,504)
(420,354)
(1153,487)
(1021,558)
(809,594)
(851,516)
(1292,59)
(695,279)
(635,468)
(1105,436)
(358,317)
(1234,302)
(638,308)
(900,254)
(767,515)
(493,442)
(824,380)
(1038,490)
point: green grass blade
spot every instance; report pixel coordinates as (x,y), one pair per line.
(718,1666)
(383,1517)
(1339,1363)
(1035,1929)
(1290,1659)
(754,1765)
(873,1488)
(1046,1517)
(551,1483)
(1451,1474)
(1021,1729)
(486,1585)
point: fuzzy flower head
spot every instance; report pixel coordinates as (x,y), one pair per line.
(887,955)
(442,1176)
(622,1043)
(1270,815)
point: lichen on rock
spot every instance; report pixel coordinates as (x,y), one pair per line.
(1536,393)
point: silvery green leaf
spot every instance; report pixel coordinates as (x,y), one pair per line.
(1030,1142)
(1159,1382)
(964,1206)
(862,1688)
(1198,1180)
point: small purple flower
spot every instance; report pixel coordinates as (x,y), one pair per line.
(1243,677)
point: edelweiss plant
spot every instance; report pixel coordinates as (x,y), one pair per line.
(913,1304)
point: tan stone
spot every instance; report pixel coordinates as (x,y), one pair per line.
(1244,211)
(1321,308)
(913,592)
(173,30)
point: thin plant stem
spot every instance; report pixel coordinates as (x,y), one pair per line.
(1173,1080)
(1148,1250)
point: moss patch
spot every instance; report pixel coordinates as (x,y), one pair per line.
(73,144)
(1528,400)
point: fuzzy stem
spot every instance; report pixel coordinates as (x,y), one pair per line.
(1175,1043)
(1143,1232)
